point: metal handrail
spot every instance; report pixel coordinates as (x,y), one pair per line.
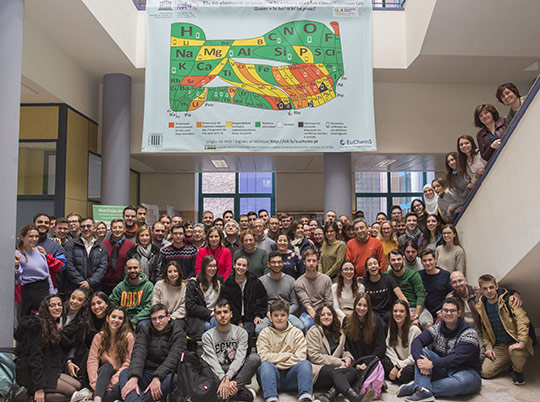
(509,131)
(395,5)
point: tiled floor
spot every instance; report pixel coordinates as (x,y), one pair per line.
(499,389)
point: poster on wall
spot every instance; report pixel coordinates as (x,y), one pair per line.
(258,76)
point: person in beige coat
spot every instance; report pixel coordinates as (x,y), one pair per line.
(332,365)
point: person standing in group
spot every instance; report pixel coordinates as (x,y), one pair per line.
(333,251)
(363,246)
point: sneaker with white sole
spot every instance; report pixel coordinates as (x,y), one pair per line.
(422,395)
(406,389)
(79,396)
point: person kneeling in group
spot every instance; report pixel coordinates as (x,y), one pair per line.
(155,356)
(332,365)
(225,350)
(452,366)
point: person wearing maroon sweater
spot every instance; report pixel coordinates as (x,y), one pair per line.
(117,247)
(214,239)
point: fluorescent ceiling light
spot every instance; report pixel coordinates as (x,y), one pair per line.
(384,163)
(219,163)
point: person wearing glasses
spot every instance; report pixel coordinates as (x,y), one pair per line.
(451,366)
(155,355)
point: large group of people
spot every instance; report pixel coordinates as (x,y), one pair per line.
(337,307)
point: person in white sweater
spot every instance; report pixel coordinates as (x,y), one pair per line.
(345,290)
(283,352)
(171,291)
(398,361)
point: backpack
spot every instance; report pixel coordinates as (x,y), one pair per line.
(371,377)
(195,382)
(8,386)
(532,332)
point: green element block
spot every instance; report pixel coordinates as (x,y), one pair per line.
(257,124)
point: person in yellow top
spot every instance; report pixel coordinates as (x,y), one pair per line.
(388,238)
(283,352)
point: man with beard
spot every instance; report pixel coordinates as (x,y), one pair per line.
(129,215)
(158,235)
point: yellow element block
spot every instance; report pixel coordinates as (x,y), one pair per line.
(268,90)
(304,53)
(181,42)
(238,68)
(288,77)
(212,52)
(229,124)
(323,69)
(199,100)
(217,69)
(250,42)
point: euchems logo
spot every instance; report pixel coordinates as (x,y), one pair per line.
(356,142)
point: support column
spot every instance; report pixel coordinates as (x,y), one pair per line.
(11,42)
(116,132)
(338,183)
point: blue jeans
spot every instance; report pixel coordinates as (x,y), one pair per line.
(447,382)
(210,324)
(147,378)
(307,321)
(293,320)
(298,377)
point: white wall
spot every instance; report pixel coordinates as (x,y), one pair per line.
(47,65)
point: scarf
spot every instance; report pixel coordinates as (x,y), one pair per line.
(132,232)
(116,244)
(145,254)
(431,204)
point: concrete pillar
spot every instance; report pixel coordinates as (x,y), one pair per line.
(338,183)
(11,42)
(116,131)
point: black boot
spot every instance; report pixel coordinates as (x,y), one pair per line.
(354,396)
(329,396)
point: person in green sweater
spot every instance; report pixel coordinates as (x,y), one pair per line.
(410,283)
(134,294)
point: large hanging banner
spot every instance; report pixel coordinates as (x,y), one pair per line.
(258,76)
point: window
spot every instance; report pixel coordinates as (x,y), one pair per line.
(378,191)
(94,177)
(238,192)
(37,168)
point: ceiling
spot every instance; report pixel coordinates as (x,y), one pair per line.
(455,50)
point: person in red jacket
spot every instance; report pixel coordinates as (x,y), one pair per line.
(117,247)
(363,246)
(214,239)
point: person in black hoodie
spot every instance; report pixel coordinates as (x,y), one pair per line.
(156,353)
(39,357)
(246,296)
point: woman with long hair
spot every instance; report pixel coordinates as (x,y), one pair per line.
(299,243)
(419,208)
(432,236)
(292,262)
(450,255)
(459,185)
(364,330)
(246,296)
(470,163)
(383,289)
(430,199)
(492,128)
(398,362)
(214,241)
(345,290)
(171,291)
(39,361)
(77,332)
(448,204)
(202,294)
(100,230)
(147,253)
(99,308)
(32,270)
(110,353)
(389,240)
(332,365)
(332,252)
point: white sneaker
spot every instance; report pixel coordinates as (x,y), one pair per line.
(79,396)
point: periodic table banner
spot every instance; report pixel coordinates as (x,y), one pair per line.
(259,76)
